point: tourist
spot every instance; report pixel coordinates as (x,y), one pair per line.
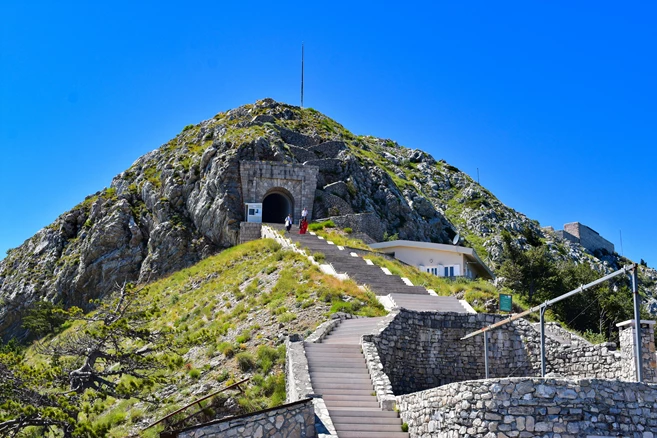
(288,223)
(304,214)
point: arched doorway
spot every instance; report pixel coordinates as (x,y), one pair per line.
(276,206)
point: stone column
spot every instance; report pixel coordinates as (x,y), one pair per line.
(628,350)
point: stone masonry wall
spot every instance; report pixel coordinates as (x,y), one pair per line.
(528,407)
(588,238)
(260,177)
(626,335)
(291,420)
(250,231)
(421,350)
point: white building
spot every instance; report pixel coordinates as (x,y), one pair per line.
(437,258)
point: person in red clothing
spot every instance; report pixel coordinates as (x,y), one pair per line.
(303,226)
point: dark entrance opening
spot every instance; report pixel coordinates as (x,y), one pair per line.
(275,207)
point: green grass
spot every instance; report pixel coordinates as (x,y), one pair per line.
(198,304)
(340,237)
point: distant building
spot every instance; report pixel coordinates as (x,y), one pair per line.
(585,236)
(437,258)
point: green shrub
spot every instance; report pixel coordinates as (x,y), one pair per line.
(227,349)
(194,373)
(348,230)
(223,376)
(245,361)
(319,257)
(287,317)
(315,227)
(404,427)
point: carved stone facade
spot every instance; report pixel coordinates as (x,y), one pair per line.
(295,182)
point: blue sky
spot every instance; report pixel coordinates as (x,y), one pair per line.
(554,102)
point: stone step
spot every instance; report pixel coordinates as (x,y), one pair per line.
(337,418)
(361,434)
(347,356)
(336,364)
(320,346)
(346,393)
(327,356)
(359,413)
(353,328)
(350,398)
(326,385)
(366,427)
(339,341)
(325,380)
(338,373)
(374,404)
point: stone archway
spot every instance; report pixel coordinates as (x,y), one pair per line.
(294,183)
(276,205)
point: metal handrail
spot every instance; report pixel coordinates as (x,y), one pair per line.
(197,402)
(632,268)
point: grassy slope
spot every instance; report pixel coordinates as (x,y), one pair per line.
(229,314)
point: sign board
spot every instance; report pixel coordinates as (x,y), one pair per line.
(506,302)
(253,212)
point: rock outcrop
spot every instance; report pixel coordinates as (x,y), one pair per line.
(183,201)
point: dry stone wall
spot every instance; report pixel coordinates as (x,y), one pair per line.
(528,407)
(421,350)
(294,420)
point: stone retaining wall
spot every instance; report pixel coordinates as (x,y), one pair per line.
(421,350)
(290,420)
(250,231)
(528,407)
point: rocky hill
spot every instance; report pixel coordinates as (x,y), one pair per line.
(183,201)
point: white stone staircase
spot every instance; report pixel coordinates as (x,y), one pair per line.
(339,374)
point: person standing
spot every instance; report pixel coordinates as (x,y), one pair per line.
(288,223)
(304,214)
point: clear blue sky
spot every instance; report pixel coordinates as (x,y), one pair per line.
(554,102)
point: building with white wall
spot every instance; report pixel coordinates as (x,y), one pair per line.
(437,258)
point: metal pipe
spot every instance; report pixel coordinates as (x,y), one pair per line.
(542,313)
(637,325)
(623,270)
(486,353)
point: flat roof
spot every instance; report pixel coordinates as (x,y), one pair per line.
(469,253)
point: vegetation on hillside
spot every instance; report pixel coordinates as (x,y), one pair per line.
(187,335)
(537,276)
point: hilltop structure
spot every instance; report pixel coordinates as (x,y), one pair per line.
(585,236)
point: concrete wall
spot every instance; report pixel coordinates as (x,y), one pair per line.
(261,177)
(528,407)
(290,420)
(587,237)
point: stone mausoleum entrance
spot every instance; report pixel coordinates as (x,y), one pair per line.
(282,188)
(276,206)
